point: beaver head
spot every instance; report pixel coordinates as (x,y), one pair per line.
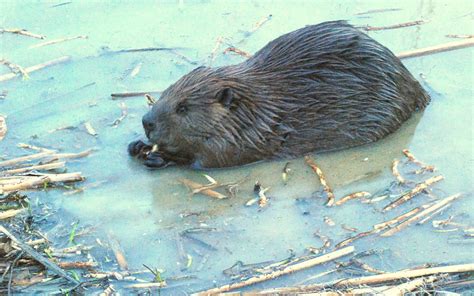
(196,116)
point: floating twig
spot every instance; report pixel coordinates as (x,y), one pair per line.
(213,53)
(56,41)
(3,127)
(124,114)
(322,179)
(237,51)
(287,270)
(436,49)
(150,100)
(22,32)
(459,36)
(356,237)
(90,129)
(197,186)
(397,26)
(410,286)
(31,69)
(27,158)
(48,166)
(118,252)
(16,183)
(413,273)
(378,11)
(161,284)
(328,221)
(439,204)
(133,94)
(38,257)
(415,191)
(362,194)
(286,172)
(260,191)
(400,218)
(413,159)
(78,264)
(15,69)
(10,213)
(395,171)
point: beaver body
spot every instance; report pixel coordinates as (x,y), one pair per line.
(323,87)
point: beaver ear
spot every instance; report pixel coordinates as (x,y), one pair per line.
(225,97)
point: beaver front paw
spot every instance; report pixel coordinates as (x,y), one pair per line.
(155,161)
(138,148)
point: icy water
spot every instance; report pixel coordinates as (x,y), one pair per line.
(145,210)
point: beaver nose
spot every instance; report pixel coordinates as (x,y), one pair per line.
(148,123)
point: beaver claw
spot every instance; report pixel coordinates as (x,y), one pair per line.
(136,148)
(154,160)
(151,159)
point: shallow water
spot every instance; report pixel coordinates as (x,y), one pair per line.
(144,209)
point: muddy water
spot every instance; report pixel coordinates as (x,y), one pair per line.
(146,209)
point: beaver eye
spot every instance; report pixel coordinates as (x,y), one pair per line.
(181,109)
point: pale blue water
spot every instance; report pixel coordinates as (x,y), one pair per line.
(142,208)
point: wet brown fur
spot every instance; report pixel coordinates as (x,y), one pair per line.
(323,87)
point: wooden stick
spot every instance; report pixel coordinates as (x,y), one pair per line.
(48,166)
(3,127)
(77,264)
(352,196)
(22,32)
(415,191)
(31,69)
(287,270)
(209,192)
(322,179)
(55,41)
(413,159)
(410,286)
(436,49)
(146,285)
(117,249)
(38,257)
(28,182)
(395,171)
(399,218)
(133,94)
(22,159)
(422,214)
(237,51)
(10,213)
(73,155)
(397,26)
(399,275)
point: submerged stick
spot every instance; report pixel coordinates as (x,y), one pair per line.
(422,214)
(397,26)
(410,286)
(322,179)
(413,159)
(415,191)
(117,249)
(396,173)
(197,186)
(352,196)
(399,275)
(436,49)
(34,68)
(48,166)
(287,270)
(10,213)
(133,94)
(38,257)
(22,32)
(55,41)
(22,159)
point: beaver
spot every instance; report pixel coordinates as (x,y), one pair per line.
(320,88)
